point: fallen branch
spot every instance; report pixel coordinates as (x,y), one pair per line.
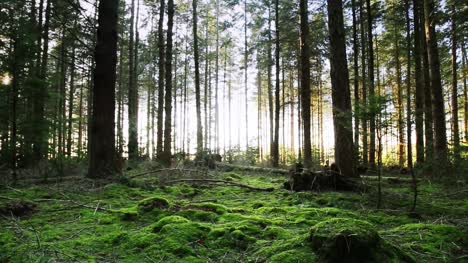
(167,170)
(229,167)
(213,181)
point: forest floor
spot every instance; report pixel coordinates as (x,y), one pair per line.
(76,220)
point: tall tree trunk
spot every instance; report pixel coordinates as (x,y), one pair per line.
(197,82)
(41,133)
(419,99)
(372,114)
(71,104)
(305,81)
(205,93)
(168,91)
(269,90)
(365,149)
(246,56)
(216,133)
(465,87)
(80,120)
(455,129)
(438,109)
(400,124)
(159,140)
(409,148)
(275,150)
(102,147)
(132,92)
(342,119)
(429,128)
(356,80)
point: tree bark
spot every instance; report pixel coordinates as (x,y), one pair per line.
(372,113)
(132,93)
(342,118)
(102,147)
(168,93)
(438,109)
(455,129)
(419,99)
(160,118)
(305,82)
(197,80)
(275,150)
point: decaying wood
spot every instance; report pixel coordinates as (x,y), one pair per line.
(167,170)
(301,179)
(214,181)
(230,167)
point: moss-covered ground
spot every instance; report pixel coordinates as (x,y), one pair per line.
(79,221)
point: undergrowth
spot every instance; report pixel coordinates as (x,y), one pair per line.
(76,221)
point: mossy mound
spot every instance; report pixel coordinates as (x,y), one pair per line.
(351,240)
(429,239)
(152,203)
(166,221)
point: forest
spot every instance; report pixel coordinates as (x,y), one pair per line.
(233,131)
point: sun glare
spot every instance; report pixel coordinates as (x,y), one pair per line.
(6,79)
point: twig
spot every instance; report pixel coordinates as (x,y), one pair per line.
(219,181)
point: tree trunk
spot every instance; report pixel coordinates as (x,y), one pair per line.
(132,93)
(168,96)
(197,81)
(275,150)
(429,128)
(438,109)
(270,94)
(342,118)
(102,147)
(365,150)
(246,56)
(409,148)
(400,124)
(372,113)
(159,140)
(455,129)
(419,100)
(305,81)
(356,80)
(71,97)
(40,144)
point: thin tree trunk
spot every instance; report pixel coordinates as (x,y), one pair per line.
(132,92)
(429,129)
(305,81)
(70,104)
(245,78)
(356,81)
(197,82)
(455,129)
(159,140)
(365,150)
(168,92)
(401,133)
(275,150)
(372,114)
(419,100)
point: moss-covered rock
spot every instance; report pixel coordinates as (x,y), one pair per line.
(294,256)
(351,240)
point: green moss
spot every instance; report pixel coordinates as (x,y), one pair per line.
(212,207)
(198,215)
(153,203)
(294,256)
(168,220)
(428,239)
(350,240)
(127,213)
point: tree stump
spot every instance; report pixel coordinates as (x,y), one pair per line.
(302,179)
